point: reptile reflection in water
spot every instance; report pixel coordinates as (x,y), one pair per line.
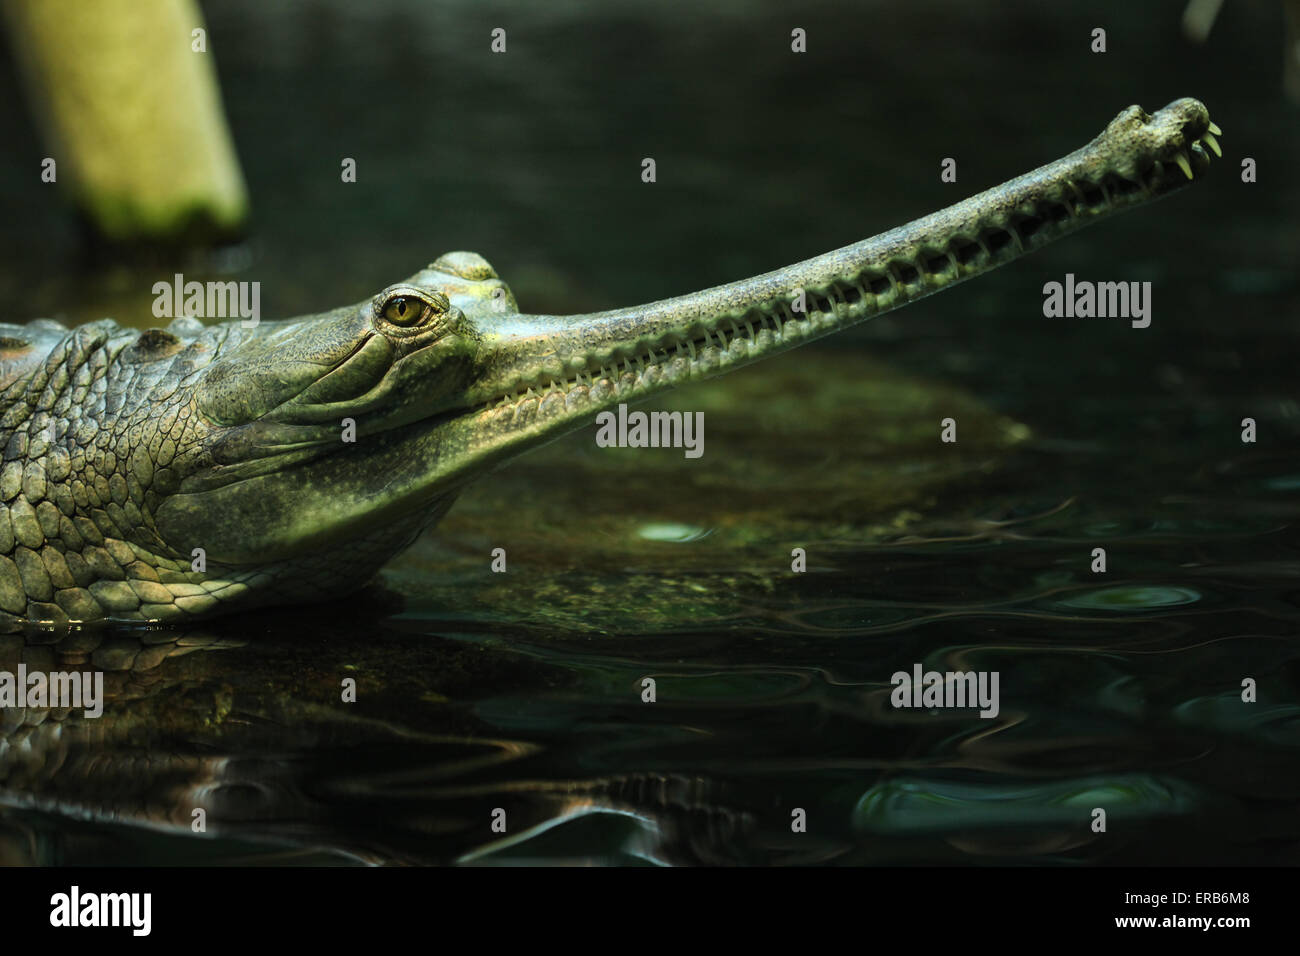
(204,720)
(128,453)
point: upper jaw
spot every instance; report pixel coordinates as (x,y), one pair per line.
(635,351)
(1159,152)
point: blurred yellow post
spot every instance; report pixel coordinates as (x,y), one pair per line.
(125,92)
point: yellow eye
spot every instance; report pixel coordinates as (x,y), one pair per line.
(411,308)
(404,309)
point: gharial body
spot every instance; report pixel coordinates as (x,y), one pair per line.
(129,456)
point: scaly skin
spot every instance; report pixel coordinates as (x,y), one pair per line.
(125,451)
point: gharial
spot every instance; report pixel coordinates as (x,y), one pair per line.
(126,453)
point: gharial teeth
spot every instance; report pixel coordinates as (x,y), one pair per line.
(1213,143)
(1184,164)
(1215,130)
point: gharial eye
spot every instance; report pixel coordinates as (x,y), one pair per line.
(403,310)
(409,309)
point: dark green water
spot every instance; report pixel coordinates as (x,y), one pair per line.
(522,691)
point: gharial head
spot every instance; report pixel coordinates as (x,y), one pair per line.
(299,455)
(331,429)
